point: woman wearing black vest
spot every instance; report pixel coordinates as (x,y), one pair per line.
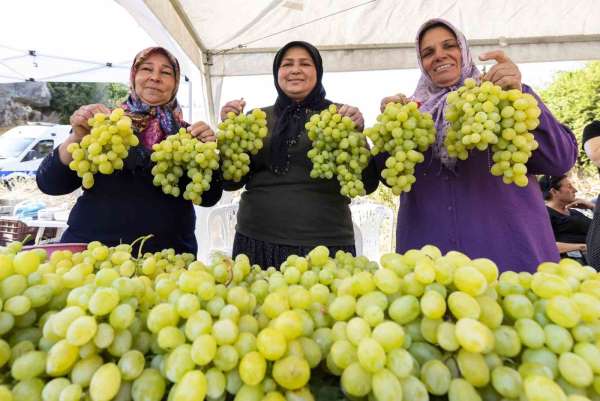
(283,210)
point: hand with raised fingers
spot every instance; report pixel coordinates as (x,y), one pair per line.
(398,98)
(79,119)
(233,106)
(504,73)
(354,114)
(581,204)
(202,131)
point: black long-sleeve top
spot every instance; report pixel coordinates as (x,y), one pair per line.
(571,228)
(125,205)
(293,208)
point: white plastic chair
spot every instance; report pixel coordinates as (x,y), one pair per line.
(215,228)
(219,229)
(375,222)
(358,239)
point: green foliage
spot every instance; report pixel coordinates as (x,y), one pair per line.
(117,93)
(574,99)
(69,96)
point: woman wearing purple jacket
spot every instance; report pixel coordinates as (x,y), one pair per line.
(459,205)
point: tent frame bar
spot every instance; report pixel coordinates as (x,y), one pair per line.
(502,42)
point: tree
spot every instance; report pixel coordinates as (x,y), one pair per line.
(574,98)
(117,93)
(69,96)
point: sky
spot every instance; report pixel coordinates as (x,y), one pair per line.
(101,30)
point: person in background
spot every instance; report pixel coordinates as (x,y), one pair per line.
(590,140)
(458,205)
(125,205)
(569,225)
(591,146)
(284,211)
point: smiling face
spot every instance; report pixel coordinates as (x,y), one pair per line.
(155,80)
(297,74)
(441,56)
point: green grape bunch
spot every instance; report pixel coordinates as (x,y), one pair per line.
(338,149)
(405,133)
(240,136)
(483,115)
(182,153)
(101,324)
(104,148)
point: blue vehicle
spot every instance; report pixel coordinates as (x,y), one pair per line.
(23,148)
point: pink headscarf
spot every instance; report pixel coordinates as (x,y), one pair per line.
(433,97)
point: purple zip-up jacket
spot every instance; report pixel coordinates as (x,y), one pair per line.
(474,212)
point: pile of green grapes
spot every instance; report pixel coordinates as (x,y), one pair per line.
(104,325)
(485,114)
(104,148)
(182,153)
(404,133)
(240,136)
(337,150)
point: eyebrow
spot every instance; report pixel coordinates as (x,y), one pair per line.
(161,65)
(299,59)
(443,42)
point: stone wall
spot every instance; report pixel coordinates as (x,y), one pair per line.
(22,102)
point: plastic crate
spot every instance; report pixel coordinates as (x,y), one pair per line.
(13,229)
(51,248)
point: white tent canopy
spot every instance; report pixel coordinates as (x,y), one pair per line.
(238,37)
(41,42)
(79,41)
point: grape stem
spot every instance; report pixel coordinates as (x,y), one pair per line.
(27,238)
(229,265)
(144,239)
(135,241)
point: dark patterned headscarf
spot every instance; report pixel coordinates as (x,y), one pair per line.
(153,123)
(292,115)
(433,97)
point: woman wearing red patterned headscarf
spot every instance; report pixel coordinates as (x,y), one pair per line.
(125,205)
